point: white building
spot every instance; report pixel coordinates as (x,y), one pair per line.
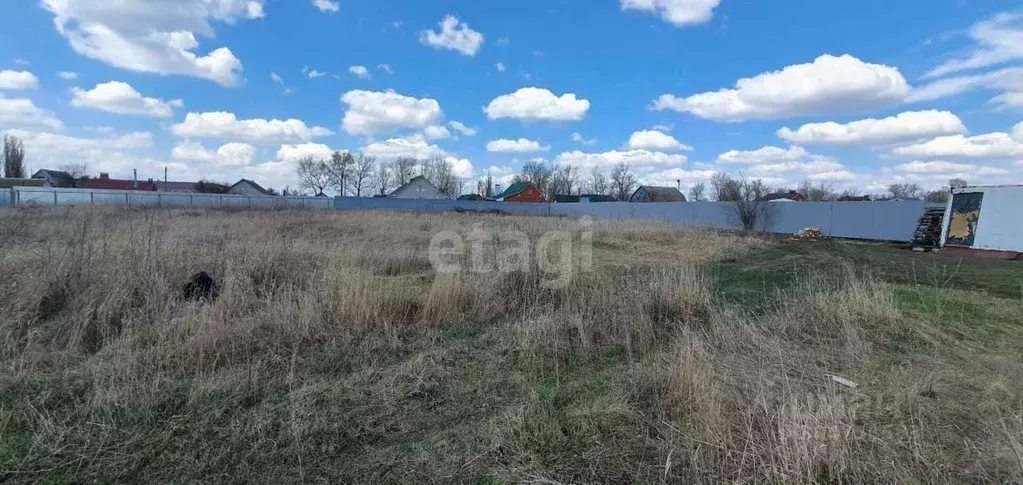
(417,188)
(985,218)
(247,187)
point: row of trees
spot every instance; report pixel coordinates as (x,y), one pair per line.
(359,174)
(726,188)
(555,179)
(620,182)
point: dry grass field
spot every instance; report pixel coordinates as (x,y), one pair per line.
(336,354)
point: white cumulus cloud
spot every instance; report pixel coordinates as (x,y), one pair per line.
(614,157)
(676,12)
(411,146)
(294,153)
(120,98)
(327,6)
(990,145)
(948,168)
(1008,79)
(999,40)
(360,72)
(461,167)
(219,124)
(579,138)
(780,165)
(17,80)
(23,112)
(903,127)
(113,153)
(521,145)
(453,35)
(153,36)
(436,133)
(655,141)
(229,154)
(828,85)
(372,112)
(461,128)
(536,104)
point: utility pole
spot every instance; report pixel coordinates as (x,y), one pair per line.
(164,179)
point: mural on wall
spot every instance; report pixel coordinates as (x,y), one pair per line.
(962,227)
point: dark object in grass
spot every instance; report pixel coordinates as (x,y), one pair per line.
(200,287)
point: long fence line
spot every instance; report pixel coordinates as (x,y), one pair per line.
(48,196)
(885,221)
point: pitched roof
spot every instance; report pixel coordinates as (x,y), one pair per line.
(253,184)
(660,194)
(410,182)
(58,177)
(790,195)
(513,189)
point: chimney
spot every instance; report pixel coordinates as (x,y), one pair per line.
(104,176)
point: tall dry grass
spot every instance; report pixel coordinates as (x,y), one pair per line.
(330,339)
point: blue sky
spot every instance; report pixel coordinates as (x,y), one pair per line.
(855,94)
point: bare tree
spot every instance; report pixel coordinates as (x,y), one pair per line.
(570,177)
(404,170)
(622,182)
(598,181)
(748,206)
(314,174)
(340,169)
(362,171)
(383,179)
(904,191)
(75,170)
(849,194)
(816,193)
(564,180)
(14,158)
(698,192)
(957,183)
(485,186)
(537,172)
(441,173)
(938,196)
(726,189)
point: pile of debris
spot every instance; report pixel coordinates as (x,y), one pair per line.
(813,233)
(928,232)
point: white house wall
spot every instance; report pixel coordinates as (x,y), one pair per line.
(1000,225)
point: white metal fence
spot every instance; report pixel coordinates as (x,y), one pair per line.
(887,221)
(49,196)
